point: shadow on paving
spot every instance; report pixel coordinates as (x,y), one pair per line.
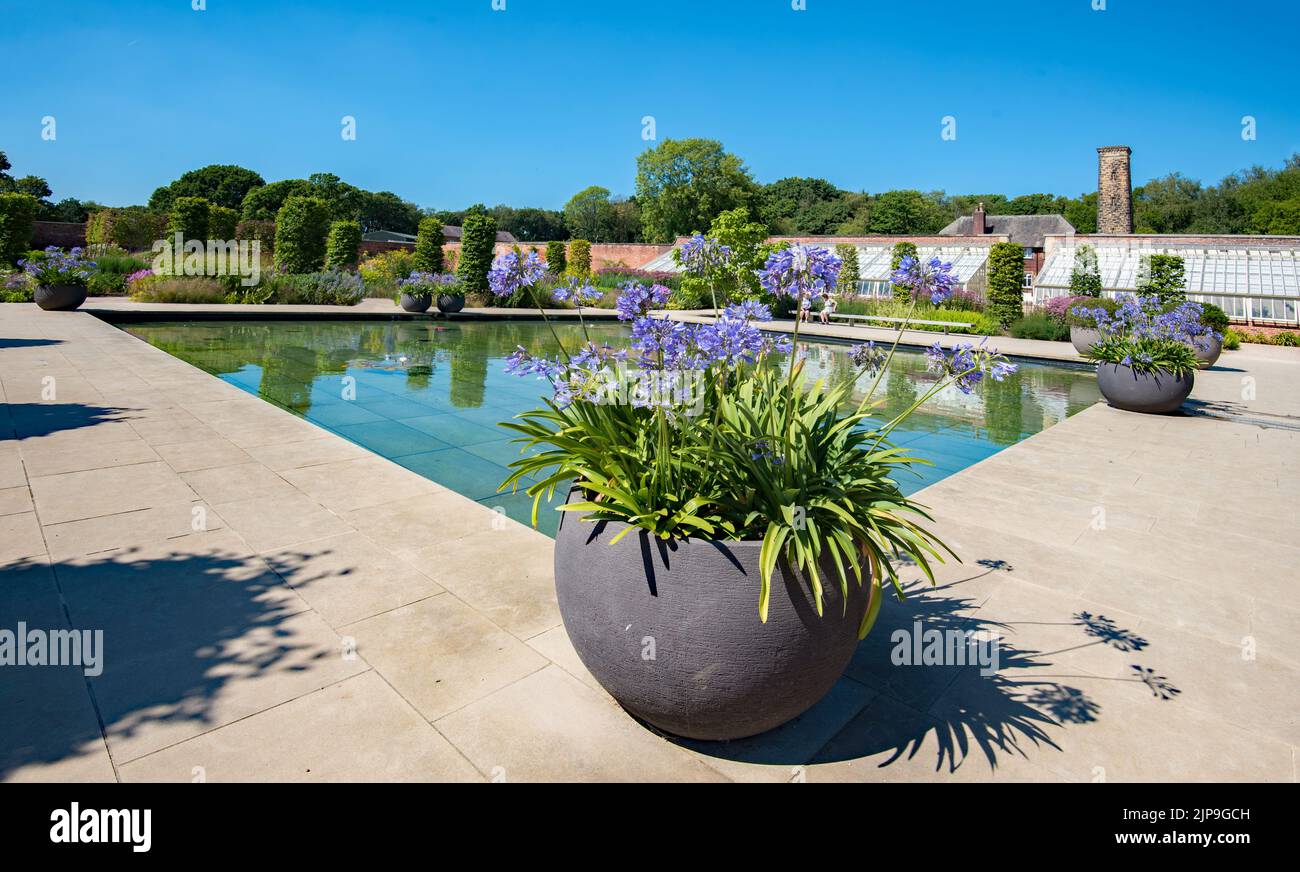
(31,420)
(950,713)
(194,635)
(27,343)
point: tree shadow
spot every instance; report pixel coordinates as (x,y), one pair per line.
(6,342)
(945,711)
(31,420)
(195,633)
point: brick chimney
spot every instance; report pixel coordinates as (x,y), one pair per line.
(1114,190)
(978,225)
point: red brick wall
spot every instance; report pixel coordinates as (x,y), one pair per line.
(62,234)
(603,254)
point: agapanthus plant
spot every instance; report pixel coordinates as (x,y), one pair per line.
(705,259)
(56,267)
(720,439)
(932,279)
(1147,335)
(420,282)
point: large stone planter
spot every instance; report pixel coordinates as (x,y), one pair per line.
(59,298)
(1208,351)
(449,304)
(671,630)
(416,302)
(1084,338)
(1157,394)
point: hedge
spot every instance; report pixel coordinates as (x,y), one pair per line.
(222,223)
(556,259)
(1006,276)
(428,245)
(580,258)
(343,246)
(189,217)
(262,231)
(477,242)
(17,218)
(300,229)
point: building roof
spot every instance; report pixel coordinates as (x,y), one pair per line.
(875,261)
(1259,268)
(452,234)
(1027,231)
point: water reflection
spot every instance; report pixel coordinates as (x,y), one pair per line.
(429,395)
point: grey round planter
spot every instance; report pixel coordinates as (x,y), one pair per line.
(1208,354)
(671,629)
(416,302)
(449,304)
(59,298)
(1084,338)
(1154,394)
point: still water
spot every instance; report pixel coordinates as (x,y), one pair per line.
(429,395)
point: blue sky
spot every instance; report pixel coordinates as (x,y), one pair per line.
(456,103)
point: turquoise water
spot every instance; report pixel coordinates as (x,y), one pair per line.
(429,395)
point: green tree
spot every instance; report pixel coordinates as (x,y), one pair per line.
(188,216)
(17,216)
(1006,268)
(902,213)
(1162,275)
(556,259)
(1278,218)
(220,184)
(343,245)
(850,271)
(387,211)
(262,204)
(428,245)
(683,184)
(589,214)
(804,206)
(579,258)
(478,241)
(1085,278)
(901,250)
(300,229)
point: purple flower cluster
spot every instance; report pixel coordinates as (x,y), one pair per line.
(700,256)
(59,268)
(967,365)
(636,299)
(868,356)
(800,271)
(510,272)
(578,292)
(932,278)
(427,281)
(1145,317)
(138,275)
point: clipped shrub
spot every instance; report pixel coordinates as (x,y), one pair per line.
(850,271)
(17,218)
(189,217)
(1085,280)
(223,223)
(1162,275)
(557,260)
(262,231)
(300,229)
(477,242)
(1214,317)
(901,250)
(579,258)
(343,245)
(130,229)
(1006,268)
(429,240)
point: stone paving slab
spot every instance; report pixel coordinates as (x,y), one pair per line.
(279,604)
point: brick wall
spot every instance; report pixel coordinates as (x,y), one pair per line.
(62,234)
(603,254)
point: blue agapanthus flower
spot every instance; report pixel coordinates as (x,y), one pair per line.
(932,278)
(800,271)
(510,272)
(868,356)
(636,299)
(700,256)
(579,292)
(967,365)
(748,310)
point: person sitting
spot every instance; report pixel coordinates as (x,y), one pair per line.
(828,307)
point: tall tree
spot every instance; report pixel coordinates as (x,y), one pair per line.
(589,214)
(219,184)
(683,184)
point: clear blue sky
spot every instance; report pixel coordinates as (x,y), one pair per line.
(456,103)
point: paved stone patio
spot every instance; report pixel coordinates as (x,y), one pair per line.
(336,617)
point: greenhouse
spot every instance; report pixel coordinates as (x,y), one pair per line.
(1252,282)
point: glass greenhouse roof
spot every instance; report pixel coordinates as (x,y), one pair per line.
(874,260)
(1255,272)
